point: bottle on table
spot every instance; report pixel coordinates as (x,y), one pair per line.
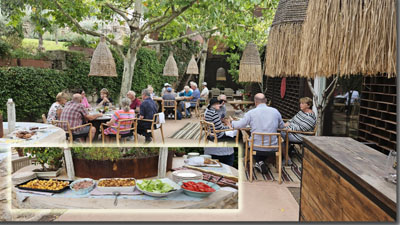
(11,118)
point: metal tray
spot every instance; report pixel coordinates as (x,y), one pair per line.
(112,189)
(50,191)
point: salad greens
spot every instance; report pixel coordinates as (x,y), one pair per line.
(155,186)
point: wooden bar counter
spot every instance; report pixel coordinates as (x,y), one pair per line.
(342,180)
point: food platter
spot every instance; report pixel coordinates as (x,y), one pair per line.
(20,186)
(118,181)
(199,194)
(176,187)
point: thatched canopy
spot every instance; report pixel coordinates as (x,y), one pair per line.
(221,74)
(192,67)
(250,64)
(170,68)
(284,41)
(349,37)
(102,63)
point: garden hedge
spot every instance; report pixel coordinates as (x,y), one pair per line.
(34,90)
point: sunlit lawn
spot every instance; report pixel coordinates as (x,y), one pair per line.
(29,43)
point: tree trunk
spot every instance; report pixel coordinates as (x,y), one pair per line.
(56,35)
(320,121)
(40,46)
(203,61)
(127,76)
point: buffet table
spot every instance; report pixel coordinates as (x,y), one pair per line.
(343,180)
(226,197)
(46,134)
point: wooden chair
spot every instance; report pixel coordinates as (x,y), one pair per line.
(209,129)
(44,118)
(132,130)
(154,122)
(69,130)
(287,143)
(215,92)
(249,152)
(166,104)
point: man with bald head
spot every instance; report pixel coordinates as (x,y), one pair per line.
(262,119)
(76,114)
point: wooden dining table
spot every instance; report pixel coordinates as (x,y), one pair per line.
(99,120)
(237,104)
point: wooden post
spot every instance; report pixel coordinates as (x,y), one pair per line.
(162,162)
(69,164)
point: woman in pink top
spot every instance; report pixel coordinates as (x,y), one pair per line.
(125,113)
(84,102)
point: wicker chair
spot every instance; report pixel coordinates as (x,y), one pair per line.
(69,135)
(229,93)
(154,122)
(249,153)
(132,130)
(215,92)
(169,104)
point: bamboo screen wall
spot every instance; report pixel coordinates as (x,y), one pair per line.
(377,121)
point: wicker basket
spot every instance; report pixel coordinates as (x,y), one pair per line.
(170,68)
(192,67)
(102,63)
(250,64)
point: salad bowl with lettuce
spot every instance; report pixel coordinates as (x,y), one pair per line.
(158,187)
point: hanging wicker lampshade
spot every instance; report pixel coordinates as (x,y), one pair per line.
(221,74)
(250,64)
(192,67)
(170,68)
(102,63)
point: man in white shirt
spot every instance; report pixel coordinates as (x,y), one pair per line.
(204,92)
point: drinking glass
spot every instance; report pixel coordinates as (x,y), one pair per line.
(390,167)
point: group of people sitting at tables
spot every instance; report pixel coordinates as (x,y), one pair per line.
(262,119)
(76,111)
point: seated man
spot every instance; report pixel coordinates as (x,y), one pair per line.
(169,96)
(263,119)
(147,110)
(76,114)
(222,111)
(212,116)
(192,99)
(135,102)
(224,155)
(164,89)
(204,92)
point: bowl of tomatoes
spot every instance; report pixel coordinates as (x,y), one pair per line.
(198,188)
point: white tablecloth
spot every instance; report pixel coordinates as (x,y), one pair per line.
(46,135)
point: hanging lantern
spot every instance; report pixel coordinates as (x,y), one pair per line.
(221,74)
(170,68)
(250,65)
(192,67)
(102,63)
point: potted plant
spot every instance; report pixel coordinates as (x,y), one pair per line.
(107,162)
(49,158)
(179,152)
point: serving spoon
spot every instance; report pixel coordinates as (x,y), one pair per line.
(116,193)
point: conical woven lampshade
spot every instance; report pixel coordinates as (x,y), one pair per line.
(170,68)
(192,67)
(250,65)
(102,63)
(221,74)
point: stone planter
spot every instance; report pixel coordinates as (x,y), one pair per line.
(130,167)
(179,154)
(48,174)
(35,63)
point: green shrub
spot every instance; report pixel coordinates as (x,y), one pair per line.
(5,49)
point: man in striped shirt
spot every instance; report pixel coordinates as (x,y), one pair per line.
(211,116)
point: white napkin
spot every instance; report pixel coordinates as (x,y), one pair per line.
(161,119)
(195,161)
(231,133)
(187,104)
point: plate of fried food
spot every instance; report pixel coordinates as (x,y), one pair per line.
(116,184)
(45,185)
(25,134)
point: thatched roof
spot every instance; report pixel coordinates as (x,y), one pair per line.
(349,37)
(284,41)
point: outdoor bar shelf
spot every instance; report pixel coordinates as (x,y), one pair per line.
(343,180)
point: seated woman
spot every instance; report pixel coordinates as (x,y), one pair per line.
(211,116)
(56,108)
(125,113)
(304,120)
(104,99)
(84,102)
